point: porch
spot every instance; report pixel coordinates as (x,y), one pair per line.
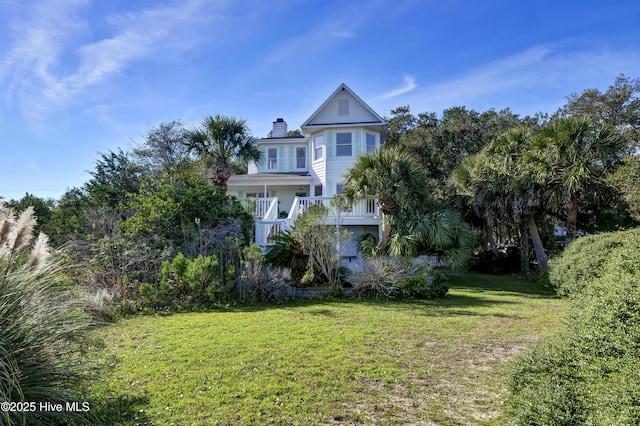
(268,222)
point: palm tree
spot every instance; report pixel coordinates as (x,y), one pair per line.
(501,190)
(570,157)
(521,194)
(396,179)
(220,141)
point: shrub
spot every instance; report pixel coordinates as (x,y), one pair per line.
(392,277)
(39,320)
(189,283)
(590,372)
(584,259)
(259,283)
(287,253)
(265,284)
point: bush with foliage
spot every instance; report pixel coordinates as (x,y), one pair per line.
(590,372)
(392,277)
(189,283)
(39,319)
(286,252)
(259,283)
(583,260)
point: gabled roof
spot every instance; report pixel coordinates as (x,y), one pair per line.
(325,115)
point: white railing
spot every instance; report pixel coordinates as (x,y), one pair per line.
(258,207)
(359,209)
(269,225)
(267,230)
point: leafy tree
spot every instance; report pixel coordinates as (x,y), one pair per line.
(626,179)
(116,175)
(295,134)
(618,106)
(440,143)
(220,141)
(164,148)
(571,158)
(42,209)
(69,218)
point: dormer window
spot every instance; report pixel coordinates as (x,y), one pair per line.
(343,107)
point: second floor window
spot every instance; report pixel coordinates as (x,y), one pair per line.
(301,157)
(318,143)
(343,144)
(371,142)
(272,158)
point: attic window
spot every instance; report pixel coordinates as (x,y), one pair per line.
(343,107)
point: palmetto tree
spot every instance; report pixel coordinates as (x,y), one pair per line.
(500,188)
(570,157)
(396,179)
(220,141)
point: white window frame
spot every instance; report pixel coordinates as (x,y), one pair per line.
(304,158)
(369,147)
(318,147)
(272,162)
(343,145)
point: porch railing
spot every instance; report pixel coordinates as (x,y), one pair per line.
(258,207)
(359,209)
(268,225)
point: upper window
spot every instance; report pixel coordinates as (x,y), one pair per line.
(343,107)
(301,157)
(318,143)
(371,142)
(272,158)
(343,144)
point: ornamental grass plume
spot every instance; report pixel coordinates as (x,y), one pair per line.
(40,254)
(7,221)
(39,319)
(21,232)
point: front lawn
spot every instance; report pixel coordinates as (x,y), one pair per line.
(326,362)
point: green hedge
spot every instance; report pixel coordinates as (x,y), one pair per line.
(584,259)
(590,372)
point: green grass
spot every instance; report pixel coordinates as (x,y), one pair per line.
(326,362)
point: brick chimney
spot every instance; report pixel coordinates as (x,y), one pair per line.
(279,128)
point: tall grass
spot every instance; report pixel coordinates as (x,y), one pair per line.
(39,316)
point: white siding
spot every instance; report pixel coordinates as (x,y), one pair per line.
(286,157)
(358,113)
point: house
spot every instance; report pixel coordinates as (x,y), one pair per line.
(299,171)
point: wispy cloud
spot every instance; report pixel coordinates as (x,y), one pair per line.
(48,31)
(343,34)
(409,85)
(540,77)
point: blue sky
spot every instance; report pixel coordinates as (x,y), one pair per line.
(79,77)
